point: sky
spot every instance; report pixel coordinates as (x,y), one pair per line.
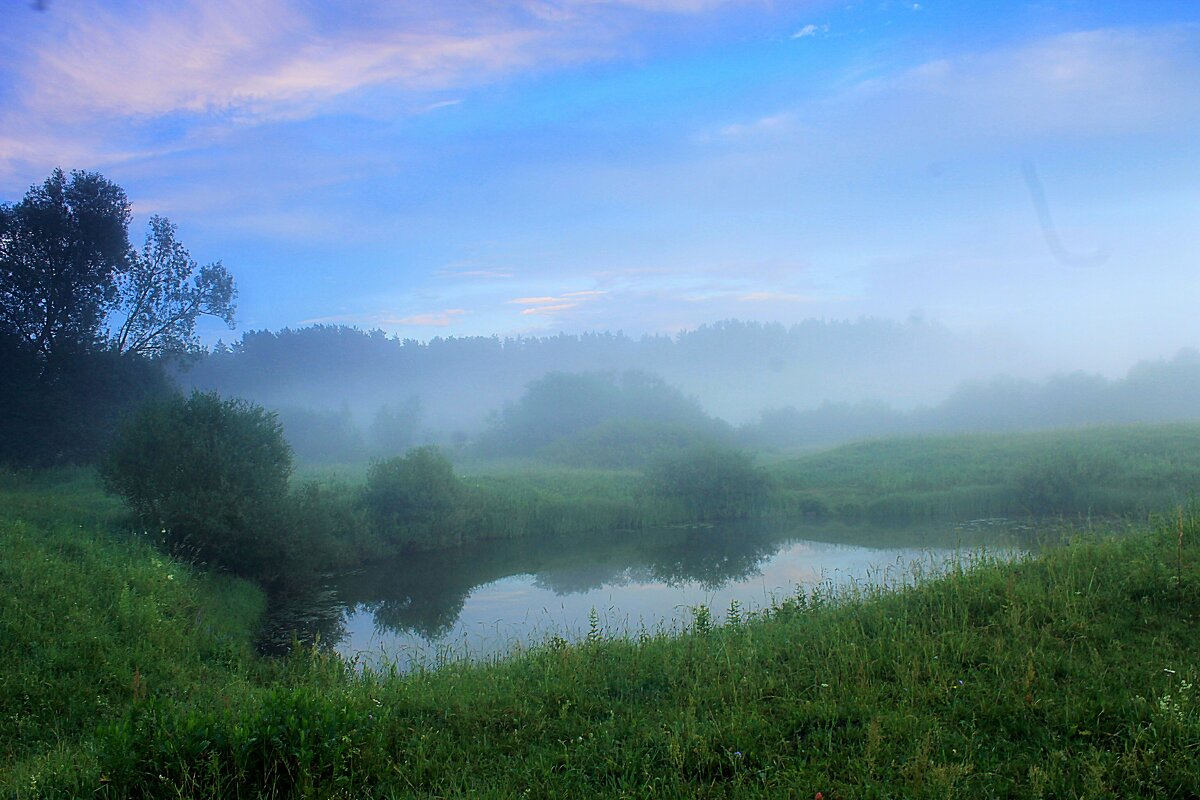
(524,167)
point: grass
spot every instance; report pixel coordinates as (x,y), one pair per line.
(1131,469)
(1093,472)
(1068,675)
(93,619)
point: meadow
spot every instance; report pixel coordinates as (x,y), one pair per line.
(1068,674)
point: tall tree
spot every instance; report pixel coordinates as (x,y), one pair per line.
(163,293)
(61,248)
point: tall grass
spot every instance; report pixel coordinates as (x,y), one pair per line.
(93,619)
(1132,469)
(1068,675)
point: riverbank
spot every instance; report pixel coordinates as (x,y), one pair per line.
(1066,675)
(1082,472)
(1097,472)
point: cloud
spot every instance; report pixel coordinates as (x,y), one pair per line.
(272,59)
(810,30)
(553,304)
(184,74)
(548,309)
(783,297)
(771,124)
(437,319)
(1116,80)
(264,59)
(1069,87)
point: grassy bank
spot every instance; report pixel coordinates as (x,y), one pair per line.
(1068,675)
(1130,469)
(93,618)
(1093,472)
(344,517)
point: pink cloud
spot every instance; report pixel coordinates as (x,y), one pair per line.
(550,309)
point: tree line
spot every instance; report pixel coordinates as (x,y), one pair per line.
(87,321)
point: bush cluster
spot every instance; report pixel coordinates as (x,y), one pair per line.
(211,477)
(711,483)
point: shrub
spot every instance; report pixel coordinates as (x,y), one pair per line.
(711,483)
(211,476)
(406,496)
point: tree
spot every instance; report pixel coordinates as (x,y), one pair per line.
(407,496)
(710,483)
(394,428)
(68,369)
(163,292)
(61,248)
(212,476)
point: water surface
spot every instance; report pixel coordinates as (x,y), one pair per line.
(493,598)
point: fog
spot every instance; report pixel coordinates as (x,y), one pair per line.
(1022,174)
(344,395)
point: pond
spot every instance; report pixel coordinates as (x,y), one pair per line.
(493,598)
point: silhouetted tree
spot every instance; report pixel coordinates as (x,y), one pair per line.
(67,274)
(61,249)
(163,292)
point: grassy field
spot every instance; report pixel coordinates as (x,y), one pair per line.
(1132,469)
(1068,675)
(1087,473)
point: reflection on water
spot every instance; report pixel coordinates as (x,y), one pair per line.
(490,598)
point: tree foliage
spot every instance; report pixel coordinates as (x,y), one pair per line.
(412,493)
(164,291)
(84,320)
(61,249)
(604,419)
(714,483)
(211,476)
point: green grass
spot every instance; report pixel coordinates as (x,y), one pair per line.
(1068,675)
(1132,469)
(1072,674)
(93,619)
(1085,473)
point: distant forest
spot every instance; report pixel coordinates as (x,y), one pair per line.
(345,394)
(735,369)
(1152,391)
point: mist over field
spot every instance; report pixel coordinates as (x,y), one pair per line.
(343,393)
(599,398)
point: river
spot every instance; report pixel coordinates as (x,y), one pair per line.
(493,598)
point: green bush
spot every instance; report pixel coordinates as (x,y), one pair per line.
(407,496)
(711,483)
(211,476)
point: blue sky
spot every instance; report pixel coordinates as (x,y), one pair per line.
(534,166)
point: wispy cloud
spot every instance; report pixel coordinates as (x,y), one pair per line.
(388,319)
(183,73)
(276,58)
(548,309)
(1088,82)
(810,30)
(251,60)
(779,297)
(554,304)
(437,319)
